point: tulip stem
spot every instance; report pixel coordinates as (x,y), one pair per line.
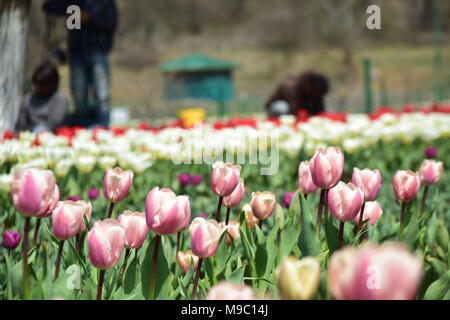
(36,231)
(361,216)
(77,243)
(154,264)
(260,224)
(319,211)
(26,274)
(341,233)
(424,198)
(178,242)
(125,262)
(219,206)
(325,204)
(227,219)
(305,195)
(110,210)
(101,279)
(197,276)
(402,218)
(58,259)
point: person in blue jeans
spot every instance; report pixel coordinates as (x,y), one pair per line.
(88,50)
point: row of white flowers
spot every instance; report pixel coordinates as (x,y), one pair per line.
(138,149)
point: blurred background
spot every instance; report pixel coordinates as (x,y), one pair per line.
(407,61)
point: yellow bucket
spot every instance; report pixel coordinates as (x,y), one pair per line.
(189,117)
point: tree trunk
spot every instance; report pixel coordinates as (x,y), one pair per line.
(13,30)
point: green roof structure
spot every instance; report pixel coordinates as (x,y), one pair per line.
(196,63)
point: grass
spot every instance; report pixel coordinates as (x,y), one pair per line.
(408,72)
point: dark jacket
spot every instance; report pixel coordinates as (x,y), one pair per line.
(96,36)
(302,92)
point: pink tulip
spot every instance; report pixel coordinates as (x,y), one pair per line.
(117,184)
(166,213)
(372,211)
(327,167)
(235,197)
(232,228)
(205,237)
(250,219)
(68,218)
(263,204)
(345,201)
(51,204)
(406,185)
(185,260)
(135,226)
(33,191)
(387,272)
(369,181)
(430,172)
(305,183)
(106,240)
(224,178)
(230,291)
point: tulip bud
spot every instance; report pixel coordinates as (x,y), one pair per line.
(345,201)
(406,185)
(11,239)
(117,184)
(135,226)
(205,237)
(305,182)
(230,291)
(93,194)
(279,216)
(106,240)
(430,172)
(185,260)
(372,211)
(431,152)
(74,198)
(68,218)
(224,178)
(263,204)
(386,272)
(184,179)
(369,181)
(327,167)
(85,164)
(287,199)
(166,213)
(33,191)
(251,220)
(235,197)
(298,279)
(196,179)
(232,230)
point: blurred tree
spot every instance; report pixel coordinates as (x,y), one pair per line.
(13,30)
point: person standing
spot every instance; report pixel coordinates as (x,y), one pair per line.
(88,50)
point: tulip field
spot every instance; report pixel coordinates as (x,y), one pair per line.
(358,207)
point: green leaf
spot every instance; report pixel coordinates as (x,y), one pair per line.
(223,254)
(261,260)
(288,238)
(433,225)
(332,235)
(438,289)
(309,242)
(237,275)
(130,277)
(210,270)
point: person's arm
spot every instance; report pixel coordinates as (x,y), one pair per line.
(58,7)
(103,15)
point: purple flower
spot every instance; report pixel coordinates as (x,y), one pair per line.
(431,152)
(93,193)
(184,179)
(11,239)
(196,179)
(287,199)
(74,198)
(203,215)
